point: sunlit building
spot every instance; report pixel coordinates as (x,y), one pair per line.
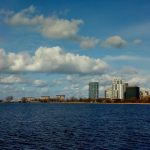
(108,92)
(144,93)
(118,89)
(60,97)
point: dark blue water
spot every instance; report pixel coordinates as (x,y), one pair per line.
(74,126)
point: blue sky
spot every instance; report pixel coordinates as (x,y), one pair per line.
(57,47)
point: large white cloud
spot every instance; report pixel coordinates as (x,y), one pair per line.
(59,28)
(51,27)
(53,60)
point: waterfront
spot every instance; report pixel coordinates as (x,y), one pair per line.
(74,126)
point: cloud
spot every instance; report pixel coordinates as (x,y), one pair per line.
(129,70)
(51,27)
(115,42)
(12,79)
(69,77)
(125,58)
(24,17)
(15,79)
(52,60)
(59,28)
(88,42)
(39,83)
(137,41)
(140,29)
(137,81)
(6,12)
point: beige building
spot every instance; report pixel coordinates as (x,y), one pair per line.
(60,97)
(45,97)
(108,93)
(29,99)
(144,94)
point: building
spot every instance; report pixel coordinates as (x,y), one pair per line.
(94,90)
(60,97)
(45,98)
(108,93)
(28,99)
(132,92)
(144,93)
(118,89)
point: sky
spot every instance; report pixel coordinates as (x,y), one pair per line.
(56,47)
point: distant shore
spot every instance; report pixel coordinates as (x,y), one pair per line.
(71,103)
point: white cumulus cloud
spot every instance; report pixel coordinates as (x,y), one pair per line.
(51,27)
(88,42)
(115,42)
(53,60)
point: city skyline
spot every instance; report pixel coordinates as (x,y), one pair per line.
(53,47)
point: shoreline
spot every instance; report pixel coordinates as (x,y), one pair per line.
(72,103)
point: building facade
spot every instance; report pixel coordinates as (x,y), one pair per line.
(94,90)
(144,94)
(108,93)
(132,93)
(118,89)
(60,97)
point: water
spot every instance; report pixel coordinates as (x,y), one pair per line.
(74,126)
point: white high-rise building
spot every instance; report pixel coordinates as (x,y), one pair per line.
(118,89)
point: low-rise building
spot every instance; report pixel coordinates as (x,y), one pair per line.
(144,93)
(108,93)
(28,99)
(60,97)
(45,97)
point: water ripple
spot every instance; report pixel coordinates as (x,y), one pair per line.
(74,126)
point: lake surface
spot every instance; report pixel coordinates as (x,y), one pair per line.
(74,126)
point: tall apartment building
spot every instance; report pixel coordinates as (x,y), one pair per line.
(118,89)
(93,90)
